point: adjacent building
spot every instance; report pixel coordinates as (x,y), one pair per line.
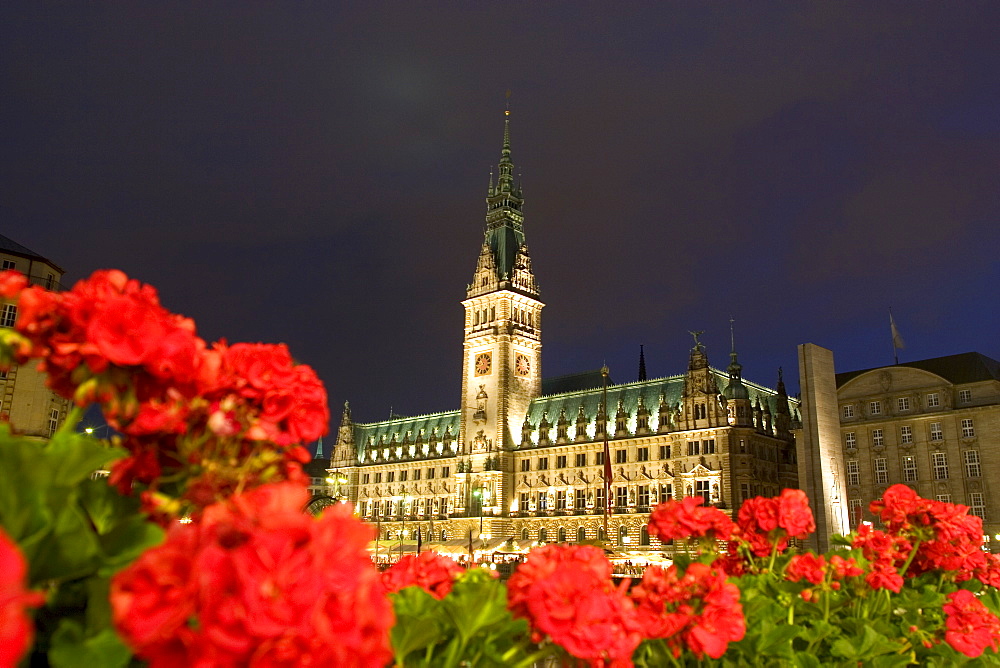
(25,402)
(523,457)
(932,424)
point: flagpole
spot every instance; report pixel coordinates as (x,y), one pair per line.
(897,340)
(607,454)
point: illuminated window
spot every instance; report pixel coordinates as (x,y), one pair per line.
(666,493)
(875,407)
(600,497)
(561,499)
(936,433)
(964,396)
(853,473)
(905,434)
(643,495)
(940,461)
(881,471)
(903,403)
(878,439)
(856,510)
(909,469)
(972,466)
(968,430)
(977,506)
(8,316)
(848,411)
(932,400)
(621,497)
(522,502)
(701,488)
(850,440)
(579,500)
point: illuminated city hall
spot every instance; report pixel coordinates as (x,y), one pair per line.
(522,457)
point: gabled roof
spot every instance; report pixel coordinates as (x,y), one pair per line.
(8,245)
(369,436)
(958,369)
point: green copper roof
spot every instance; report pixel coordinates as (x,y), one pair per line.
(381,437)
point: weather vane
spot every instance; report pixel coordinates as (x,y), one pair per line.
(696,334)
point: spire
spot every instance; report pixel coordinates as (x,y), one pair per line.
(505,182)
(319,449)
(642,364)
(489,188)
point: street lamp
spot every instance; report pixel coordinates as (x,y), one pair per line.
(402,532)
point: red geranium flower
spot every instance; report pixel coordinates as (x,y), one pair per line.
(16,631)
(565,592)
(970,626)
(806,566)
(687,519)
(256,581)
(432,572)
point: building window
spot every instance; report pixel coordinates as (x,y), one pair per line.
(402,476)
(390,476)
(878,439)
(644,495)
(642,455)
(905,434)
(964,396)
(561,499)
(972,466)
(8,316)
(378,477)
(944,498)
(909,469)
(709,448)
(543,535)
(694,448)
(621,497)
(543,463)
(445,471)
(853,473)
(9,264)
(621,456)
(968,430)
(848,411)
(881,471)
(522,502)
(581,459)
(940,461)
(875,407)
(601,503)
(581,534)
(599,458)
(366,478)
(622,535)
(579,500)
(856,511)
(702,489)
(977,504)
(430,474)
(525,465)
(561,461)
(903,403)
(851,440)
(664,452)
(53,421)
(643,535)
(416,474)
(936,433)
(666,493)
(932,400)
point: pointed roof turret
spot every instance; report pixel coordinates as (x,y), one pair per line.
(736,389)
(781,401)
(504,233)
(642,364)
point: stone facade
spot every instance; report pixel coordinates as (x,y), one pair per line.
(25,402)
(932,424)
(523,459)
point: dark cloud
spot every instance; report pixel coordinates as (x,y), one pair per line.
(314,174)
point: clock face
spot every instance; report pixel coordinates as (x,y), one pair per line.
(484,362)
(522,366)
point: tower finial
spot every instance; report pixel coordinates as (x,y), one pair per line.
(732,335)
(642,364)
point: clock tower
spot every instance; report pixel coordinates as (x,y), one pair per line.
(502,347)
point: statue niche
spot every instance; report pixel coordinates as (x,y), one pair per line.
(481,399)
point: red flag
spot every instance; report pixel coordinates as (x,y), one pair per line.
(607,478)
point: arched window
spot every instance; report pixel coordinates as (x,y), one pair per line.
(543,535)
(622,535)
(581,534)
(562,535)
(644,536)
(601,535)
(524,534)
(476,321)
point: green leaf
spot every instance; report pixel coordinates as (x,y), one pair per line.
(869,645)
(416,627)
(477,601)
(71,648)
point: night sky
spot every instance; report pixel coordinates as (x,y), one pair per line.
(315,174)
